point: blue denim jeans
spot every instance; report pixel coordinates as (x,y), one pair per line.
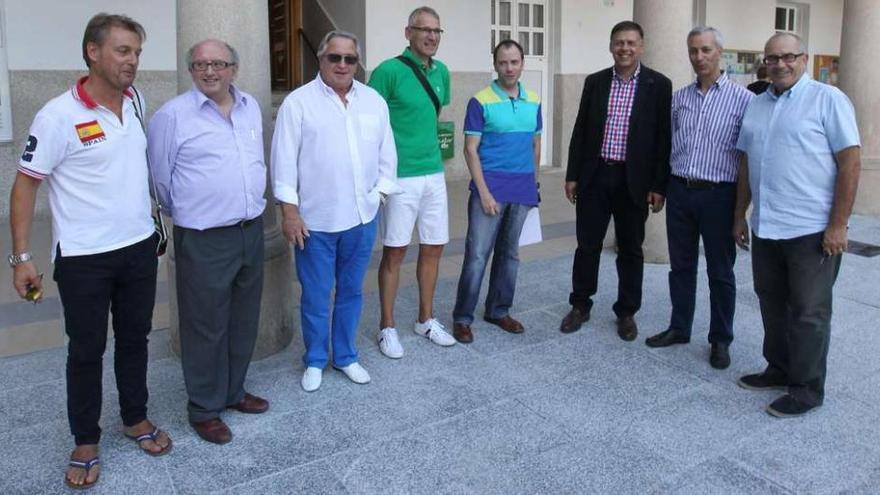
(327,258)
(485,233)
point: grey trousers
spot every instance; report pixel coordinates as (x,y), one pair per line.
(219,274)
(794,283)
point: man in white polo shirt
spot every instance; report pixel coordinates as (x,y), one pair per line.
(88,145)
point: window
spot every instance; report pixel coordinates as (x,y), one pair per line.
(786,19)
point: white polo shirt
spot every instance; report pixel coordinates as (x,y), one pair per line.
(96,170)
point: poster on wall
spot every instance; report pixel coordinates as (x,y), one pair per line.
(5,100)
(825,69)
(741,65)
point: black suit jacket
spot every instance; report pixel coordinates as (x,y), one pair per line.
(649,140)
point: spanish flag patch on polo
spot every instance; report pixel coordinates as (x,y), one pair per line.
(90,132)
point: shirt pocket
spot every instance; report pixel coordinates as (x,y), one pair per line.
(369,128)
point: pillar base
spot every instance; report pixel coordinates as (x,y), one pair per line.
(655,248)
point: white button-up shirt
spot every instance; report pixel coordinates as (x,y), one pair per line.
(333,160)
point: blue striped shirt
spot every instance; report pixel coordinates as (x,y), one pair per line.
(705,128)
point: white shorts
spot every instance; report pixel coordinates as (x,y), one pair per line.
(423,203)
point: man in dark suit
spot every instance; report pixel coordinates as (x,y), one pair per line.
(618,165)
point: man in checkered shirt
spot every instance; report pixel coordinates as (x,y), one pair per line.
(618,166)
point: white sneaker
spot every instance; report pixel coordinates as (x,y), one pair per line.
(312,379)
(389,344)
(356,373)
(435,332)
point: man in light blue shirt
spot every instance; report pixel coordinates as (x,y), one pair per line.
(206,159)
(801,168)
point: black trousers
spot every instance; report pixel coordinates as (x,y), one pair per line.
(600,199)
(219,274)
(794,282)
(122,282)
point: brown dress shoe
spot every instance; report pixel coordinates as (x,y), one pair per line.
(507,323)
(573,320)
(213,430)
(462,333)
(626,328)
(251,404)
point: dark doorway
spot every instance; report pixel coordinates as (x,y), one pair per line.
(285,21)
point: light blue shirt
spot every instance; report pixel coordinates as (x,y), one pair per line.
(791,141)
(209,171)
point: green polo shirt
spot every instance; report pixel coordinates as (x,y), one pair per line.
(413,118)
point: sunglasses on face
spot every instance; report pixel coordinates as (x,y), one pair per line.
(335,58)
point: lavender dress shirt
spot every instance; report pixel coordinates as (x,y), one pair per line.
(209,171)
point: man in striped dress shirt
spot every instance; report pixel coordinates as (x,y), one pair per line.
(706,119)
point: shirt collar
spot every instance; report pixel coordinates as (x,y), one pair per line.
(201,99)
(792,91)
(327,90)
(503,94)
(408,53)
(722,81)
(634,76)
(80,94)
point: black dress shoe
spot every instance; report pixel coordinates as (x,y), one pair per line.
(719,358)
(763,381)
(666,338)
(788,406)
(627,329)
(573,320)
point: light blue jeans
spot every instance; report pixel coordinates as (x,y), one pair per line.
(328,257)
(487,232)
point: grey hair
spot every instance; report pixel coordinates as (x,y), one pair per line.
(801,46)
(719,38)
(232,52)
(322,47)
(421,10)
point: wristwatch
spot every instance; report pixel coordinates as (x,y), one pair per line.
(17,259)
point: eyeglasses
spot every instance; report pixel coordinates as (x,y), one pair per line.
(201,65)
(436,32)
(335,58)
(785,57)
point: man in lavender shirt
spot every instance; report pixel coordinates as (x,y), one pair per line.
(206,157)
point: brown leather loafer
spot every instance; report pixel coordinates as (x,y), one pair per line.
(626,328)
(573,320)
(462,333)
(251,404)
(507,323)
(213,430)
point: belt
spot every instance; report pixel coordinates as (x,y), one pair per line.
(699,184)
(245,223)
(613,162)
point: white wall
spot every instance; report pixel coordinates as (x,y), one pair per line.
(465,43)
(826,25)
(585,27)
(47,34)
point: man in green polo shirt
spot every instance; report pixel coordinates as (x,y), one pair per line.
(414,113)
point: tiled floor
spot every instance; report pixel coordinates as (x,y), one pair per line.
(540,412)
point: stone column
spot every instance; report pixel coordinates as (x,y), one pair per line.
(244,24)
(666,24)
(858,77)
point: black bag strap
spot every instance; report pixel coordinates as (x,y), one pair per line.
(422,79)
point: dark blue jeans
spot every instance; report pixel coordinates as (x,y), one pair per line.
(794,282)
(690,215)
(485,233)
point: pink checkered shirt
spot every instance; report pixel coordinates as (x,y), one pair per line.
(620,102)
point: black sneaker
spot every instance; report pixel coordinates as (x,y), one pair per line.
(788,406)
(762,381)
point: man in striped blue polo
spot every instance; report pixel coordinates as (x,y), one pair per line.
(502,148)
(706,119)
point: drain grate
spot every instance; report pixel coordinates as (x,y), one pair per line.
(863,249)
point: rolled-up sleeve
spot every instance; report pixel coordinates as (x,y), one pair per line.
(387,183)
(162,150)
(284,156)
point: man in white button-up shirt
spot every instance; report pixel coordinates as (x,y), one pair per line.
(333,160)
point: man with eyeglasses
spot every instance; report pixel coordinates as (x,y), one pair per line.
(701,195)
(801,167)
(618,166)
(333,161)
(89,147)
(206,155)
(416,87)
